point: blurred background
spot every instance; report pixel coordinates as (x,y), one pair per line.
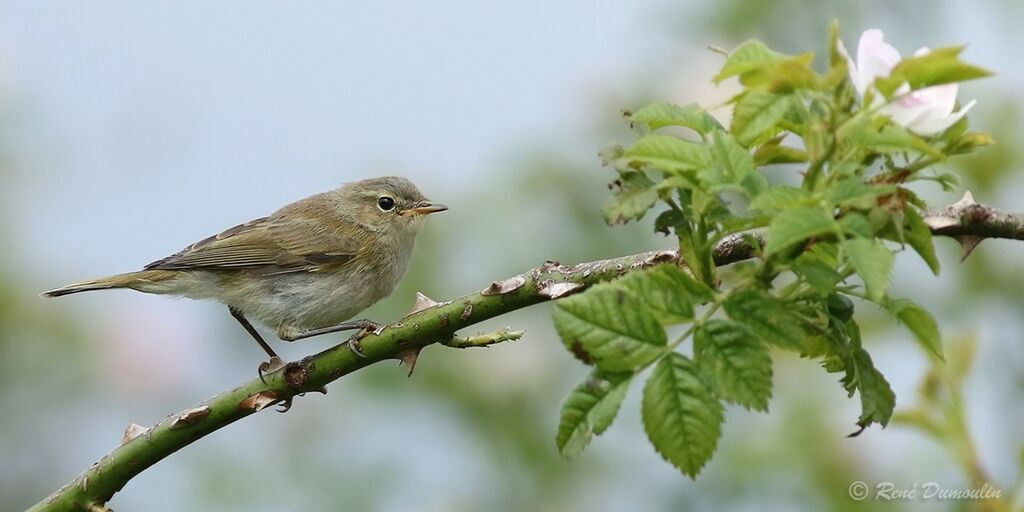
(129,130)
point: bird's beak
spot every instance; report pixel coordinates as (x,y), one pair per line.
(424,208)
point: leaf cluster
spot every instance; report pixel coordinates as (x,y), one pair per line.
(830,236)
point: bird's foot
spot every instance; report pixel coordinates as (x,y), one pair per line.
(355,346)
(367,329)
(285,405)
(274,364)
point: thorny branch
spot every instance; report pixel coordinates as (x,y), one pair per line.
(431,322)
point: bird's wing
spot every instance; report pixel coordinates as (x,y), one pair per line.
(267,244)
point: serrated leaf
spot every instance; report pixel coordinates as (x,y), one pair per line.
(589,410)
(919,236)
(736,362)
(658,115)
(767,317)
(887,139)
(854,192)
(734,167)
(636,195)
(609,327)
(796,225)
(857,224)
(756,113)
(941,66)
(784,76)
(669,220)
(817,271)
(920,322)
(682,417)
(668,153)
(771,154)
(747,57)
(873,263)
(779,197)
(665,291)
(877,399)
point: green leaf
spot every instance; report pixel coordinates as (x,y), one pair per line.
(590,410)
(767,317)
(796,225)
(734,166)
(877,400)
(854,192)
(817,139)
(873,263)
(857,224)
(756,113)
(635,196)
(771,154)
(818,270)
(784,76)
(779,197)
(609,327)
(887,139)
(669,220)
(747,57)
(736,362)
(665,291)
(920,322)
(669,154)
(658,115)
(941,66)
(919,236)
(682,417)
(969,142)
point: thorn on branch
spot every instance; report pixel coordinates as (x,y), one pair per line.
(484,340)
(190,417)
(132,431)
(504,286)
(258,401)
(552,290)
(408,358)
(423,302)
(966,201)
(967,245)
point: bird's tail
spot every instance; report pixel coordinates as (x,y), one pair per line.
(143,281)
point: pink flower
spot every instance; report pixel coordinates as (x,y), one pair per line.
(926,111)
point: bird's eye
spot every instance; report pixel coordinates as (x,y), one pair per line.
(386,203)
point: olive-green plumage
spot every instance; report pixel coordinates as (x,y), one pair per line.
(310,265)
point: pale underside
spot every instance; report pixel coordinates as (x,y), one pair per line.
(289,276)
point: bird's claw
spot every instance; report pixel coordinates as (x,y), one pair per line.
(285,405)
(355,346)
(271,366)
(353,342)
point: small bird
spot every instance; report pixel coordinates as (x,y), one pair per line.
(304,270)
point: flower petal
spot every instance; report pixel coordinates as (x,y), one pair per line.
(941,97)
(939,125)
(875,58)
(852,66)
(906,115)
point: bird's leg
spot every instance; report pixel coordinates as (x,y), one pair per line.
(366,327)
(275,362)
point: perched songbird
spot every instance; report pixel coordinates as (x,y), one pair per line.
(305,269)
